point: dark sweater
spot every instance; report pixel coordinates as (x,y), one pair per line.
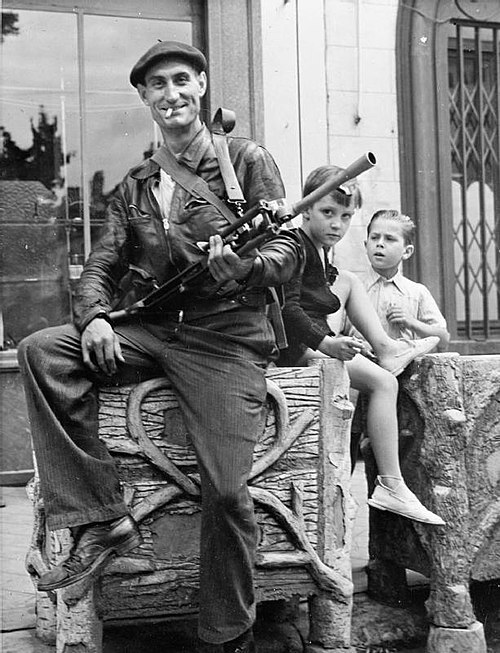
(308,300)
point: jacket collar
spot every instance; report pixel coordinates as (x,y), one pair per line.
(320,255)
(191,156)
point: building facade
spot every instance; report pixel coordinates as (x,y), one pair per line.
(416,82)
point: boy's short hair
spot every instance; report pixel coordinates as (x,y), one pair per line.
(348,194)
(407,225)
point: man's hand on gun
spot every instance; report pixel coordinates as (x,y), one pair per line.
(224,264)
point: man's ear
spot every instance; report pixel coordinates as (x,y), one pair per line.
(141,89)
(203,82)
(305,215)
(409,249)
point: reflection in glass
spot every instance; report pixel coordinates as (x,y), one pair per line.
(39,169)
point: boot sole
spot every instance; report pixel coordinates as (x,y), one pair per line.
(379,506)
(131,542)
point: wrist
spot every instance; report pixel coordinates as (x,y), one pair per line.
(243,280)
(101,316)
(327,344)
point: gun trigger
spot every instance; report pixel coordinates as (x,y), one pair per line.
(202,245)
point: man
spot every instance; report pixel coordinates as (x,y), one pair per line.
(212,345)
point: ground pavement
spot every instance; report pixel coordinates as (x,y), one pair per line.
(374,626)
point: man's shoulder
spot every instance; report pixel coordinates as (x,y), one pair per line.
(246,147)
(145,168)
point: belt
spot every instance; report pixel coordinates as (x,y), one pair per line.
(200,308)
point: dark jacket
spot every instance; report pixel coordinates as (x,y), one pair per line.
(308,300)
(134,253)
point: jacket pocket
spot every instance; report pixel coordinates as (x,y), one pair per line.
(135,285)
(136,215)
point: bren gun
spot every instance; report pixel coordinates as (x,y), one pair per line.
(267,218)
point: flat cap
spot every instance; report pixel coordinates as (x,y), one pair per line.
(167,50)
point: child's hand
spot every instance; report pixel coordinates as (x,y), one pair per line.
(343,347)
(398,315)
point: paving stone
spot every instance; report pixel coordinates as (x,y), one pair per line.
(372,623)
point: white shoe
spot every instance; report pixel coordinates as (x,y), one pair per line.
(396,363)
(402,501)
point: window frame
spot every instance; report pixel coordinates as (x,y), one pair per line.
(424,152)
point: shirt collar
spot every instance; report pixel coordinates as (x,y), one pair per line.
(398,279)
(192,154)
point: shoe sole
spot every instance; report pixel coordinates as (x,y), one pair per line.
(397,371)
(379,506)
(131,542)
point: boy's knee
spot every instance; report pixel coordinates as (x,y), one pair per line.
(390,382)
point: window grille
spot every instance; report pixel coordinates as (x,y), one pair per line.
(474,101)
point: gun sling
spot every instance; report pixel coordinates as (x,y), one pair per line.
(190,181)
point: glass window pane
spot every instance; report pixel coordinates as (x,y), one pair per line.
(39,165)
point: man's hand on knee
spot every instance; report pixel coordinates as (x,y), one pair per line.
(101,347)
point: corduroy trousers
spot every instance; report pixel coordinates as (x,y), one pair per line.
(216,366)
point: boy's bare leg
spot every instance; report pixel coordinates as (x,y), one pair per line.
(382,424)
(391,492)
(381,419)
(393,355)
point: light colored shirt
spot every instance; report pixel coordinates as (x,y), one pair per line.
(413,297)
(163,193)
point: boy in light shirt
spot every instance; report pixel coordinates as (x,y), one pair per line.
(406,309)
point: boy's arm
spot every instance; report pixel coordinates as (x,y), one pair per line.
(299,326)
(429,321)
(312,333)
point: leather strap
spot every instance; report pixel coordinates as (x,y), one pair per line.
(190,181)
(276,318)
(223,123)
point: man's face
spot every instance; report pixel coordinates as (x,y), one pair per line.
(327,221)
(386,246)
(173,89)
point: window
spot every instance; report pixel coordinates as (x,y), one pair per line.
(448,78)
(474,90)
(71,125)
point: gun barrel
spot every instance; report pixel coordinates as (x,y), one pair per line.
(364,163)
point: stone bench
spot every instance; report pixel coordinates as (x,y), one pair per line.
(450,451)
(300,485)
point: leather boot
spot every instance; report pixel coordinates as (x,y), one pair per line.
(244,643)
(96,543)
